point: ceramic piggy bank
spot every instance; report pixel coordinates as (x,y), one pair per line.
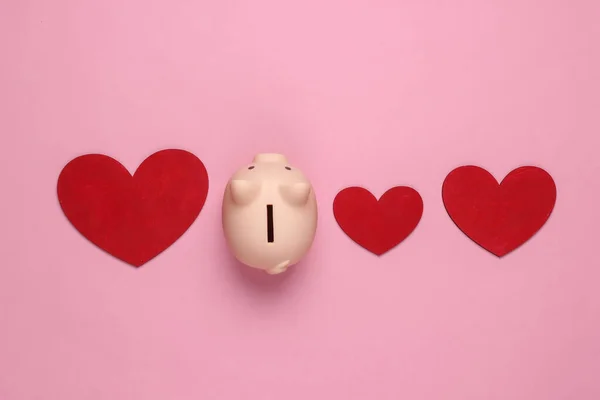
(269,214)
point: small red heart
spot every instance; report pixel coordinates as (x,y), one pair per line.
(499,217)
(378,226)
(133,218)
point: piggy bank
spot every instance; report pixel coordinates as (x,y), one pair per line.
(269,214)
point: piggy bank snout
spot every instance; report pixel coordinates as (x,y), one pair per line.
(295,194)
(243,192)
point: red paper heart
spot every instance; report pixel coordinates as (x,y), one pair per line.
(378,226)
(134,218)
(499,217)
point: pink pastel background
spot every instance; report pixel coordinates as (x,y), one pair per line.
(364,92)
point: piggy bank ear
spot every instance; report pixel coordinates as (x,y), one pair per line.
(296,193)
(243,192)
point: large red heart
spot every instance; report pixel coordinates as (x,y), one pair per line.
(499,217)
(378,226)
(137,217)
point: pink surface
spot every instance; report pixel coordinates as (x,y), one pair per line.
(373,93)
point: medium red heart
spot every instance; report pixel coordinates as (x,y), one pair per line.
(137,217)
(378,226)
(499,217)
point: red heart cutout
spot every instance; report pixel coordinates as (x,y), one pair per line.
(499,217)
(137,217)
(378,226)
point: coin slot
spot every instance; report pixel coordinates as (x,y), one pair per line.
(270,230)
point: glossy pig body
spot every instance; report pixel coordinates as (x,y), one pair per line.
(269,214)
